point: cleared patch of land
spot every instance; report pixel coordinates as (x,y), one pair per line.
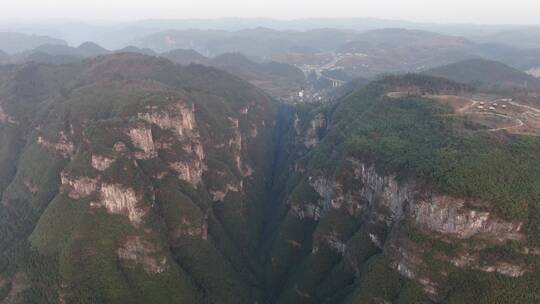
(457,103)
(496,113)
(490,111)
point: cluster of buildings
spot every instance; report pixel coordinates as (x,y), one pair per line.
(494,106)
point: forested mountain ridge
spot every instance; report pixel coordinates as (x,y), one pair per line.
(13,42)
(129,179)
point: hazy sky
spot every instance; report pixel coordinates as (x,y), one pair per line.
(470,11)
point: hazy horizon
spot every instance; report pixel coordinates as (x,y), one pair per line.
(482,12)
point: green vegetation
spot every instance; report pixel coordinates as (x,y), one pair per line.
(379,282)
(484,288)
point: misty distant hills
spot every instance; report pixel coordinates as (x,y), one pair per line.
(486,74)
(356,54)
(260,42)
(87,49)
(241,65)
(399,37)
(17,42)
(4,57)
(398,50)
(185,57)
(60,54)
(522,59)
(48,58)
(283,59)
(116,36)
(527,37)
(136,50)
(278,79)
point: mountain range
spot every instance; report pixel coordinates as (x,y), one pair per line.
(163,161)
(127,178)
(327,51)
(117,35)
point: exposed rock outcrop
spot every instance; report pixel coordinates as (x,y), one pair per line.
(5,118)
(120,200)
(179,117)
(235,143)
(141,136)
(143,253)
(101,163)
(78,187)
(31,187)
(312,136)
(17,286)
(306,211)
(62,146)
(219,195)
(333,241)
(448,215)
(119,147)
(504,268)
(381,201)
(192,229)
(189,171)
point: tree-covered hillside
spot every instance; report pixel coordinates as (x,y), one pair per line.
(353,215)
(128,179)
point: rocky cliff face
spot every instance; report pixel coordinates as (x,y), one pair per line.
(384,206)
